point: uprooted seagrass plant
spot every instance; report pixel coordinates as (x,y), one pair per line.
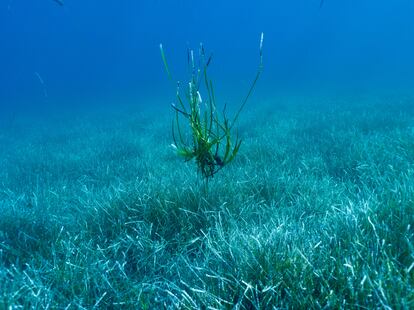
(207,137)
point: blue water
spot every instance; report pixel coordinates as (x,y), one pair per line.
(106,52)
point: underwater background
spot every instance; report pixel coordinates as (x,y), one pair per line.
(316,211)
(106,53)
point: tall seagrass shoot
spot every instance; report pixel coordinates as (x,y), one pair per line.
(199,130)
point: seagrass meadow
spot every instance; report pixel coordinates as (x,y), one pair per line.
(181,154)
(315,212)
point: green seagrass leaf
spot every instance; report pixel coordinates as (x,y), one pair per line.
(185,152)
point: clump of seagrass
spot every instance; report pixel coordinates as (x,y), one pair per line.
(208,137)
